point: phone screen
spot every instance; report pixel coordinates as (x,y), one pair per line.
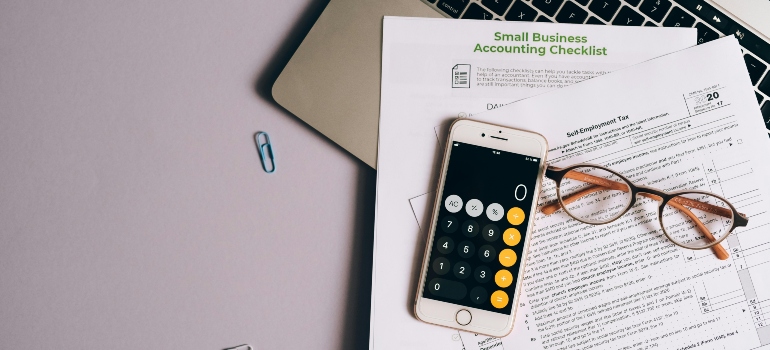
(482,224)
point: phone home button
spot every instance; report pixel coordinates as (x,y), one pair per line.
(463,317)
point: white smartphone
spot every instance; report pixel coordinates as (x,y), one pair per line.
(479,233)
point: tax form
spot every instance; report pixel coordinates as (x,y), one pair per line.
(434,69)
(687,120)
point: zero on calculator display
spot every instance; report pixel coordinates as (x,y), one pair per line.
(482,223)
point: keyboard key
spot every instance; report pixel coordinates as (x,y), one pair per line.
(497,6)
(633,2)
(571,13)
(698,7)
(594,20)
(447,289)
(477,12)
(766,113)
(764,86)
(543,19)
(520,11)
(707,13)
(656,9)
(453,7)
(650,24)
(759,97)
(718,20)
(583,2)
(605,9)
(678,18)
(548,6)
(705,34)
(755,68)
(628,17)
(751,42)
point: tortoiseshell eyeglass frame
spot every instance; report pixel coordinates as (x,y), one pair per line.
(598,183)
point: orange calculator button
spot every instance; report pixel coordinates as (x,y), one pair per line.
(507,257)
(515,216)
(503,278)
(499,299)
(511,236)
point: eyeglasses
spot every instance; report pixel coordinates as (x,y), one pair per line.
(691,219)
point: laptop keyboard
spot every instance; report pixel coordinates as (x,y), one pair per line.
(709,21)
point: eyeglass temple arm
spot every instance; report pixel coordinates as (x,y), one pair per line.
(718,250)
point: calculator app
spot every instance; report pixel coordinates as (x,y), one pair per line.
(482,224)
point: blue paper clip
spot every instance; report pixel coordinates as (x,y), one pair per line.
(265,151)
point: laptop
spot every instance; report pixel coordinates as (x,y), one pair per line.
(332,81)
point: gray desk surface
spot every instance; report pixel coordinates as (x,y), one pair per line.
(134,213)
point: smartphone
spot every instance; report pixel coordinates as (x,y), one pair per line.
(479,232)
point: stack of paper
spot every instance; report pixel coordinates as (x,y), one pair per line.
(655,295)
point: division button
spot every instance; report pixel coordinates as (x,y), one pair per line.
(445,245)
(507,257)
(490,233)
(449,224)
(511,237)
(487,253)
(441,265)
(515,216)
(479,295)
(453,203)
(474,208)
(447,289)
(495,212)
(463,317)
(499,299)
(503,278)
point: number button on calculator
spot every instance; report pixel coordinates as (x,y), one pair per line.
(441,266)
(445,245)
(448,289)
(490,233)
(466,249)
(470,228)
(449,224)
(487,253)
(462,270)
(482,274)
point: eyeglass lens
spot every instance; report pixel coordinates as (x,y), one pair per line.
(695,220)
(594,195)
